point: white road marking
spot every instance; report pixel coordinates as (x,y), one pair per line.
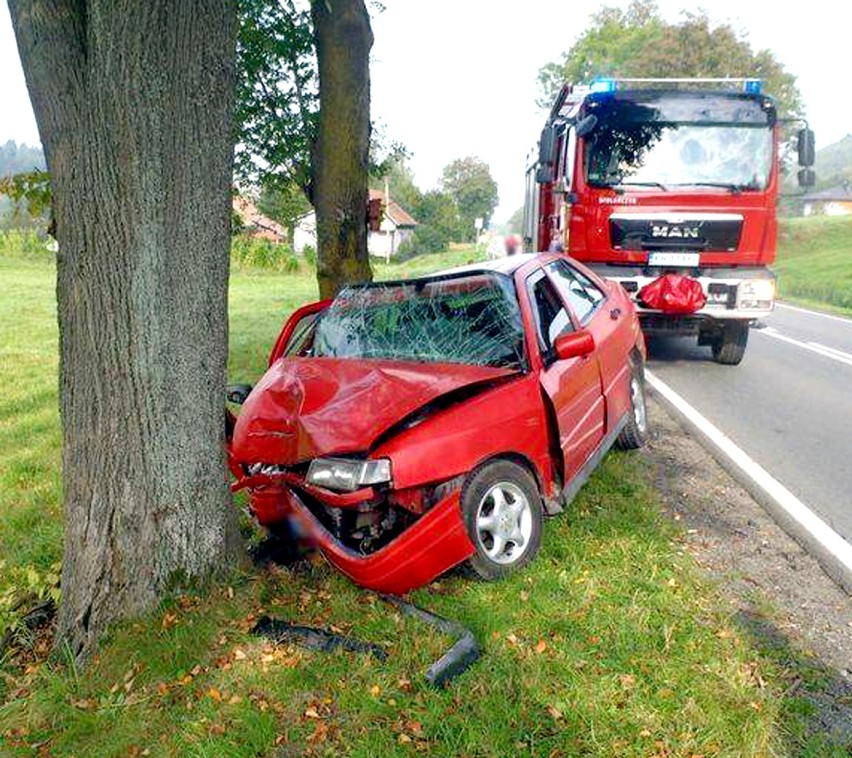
(814,347)
(818,530)
(834,350)
(832,317)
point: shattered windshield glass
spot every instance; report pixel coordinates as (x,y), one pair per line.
(470,319)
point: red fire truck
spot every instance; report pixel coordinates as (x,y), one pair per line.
(668,187)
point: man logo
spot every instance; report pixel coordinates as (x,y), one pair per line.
(669,231)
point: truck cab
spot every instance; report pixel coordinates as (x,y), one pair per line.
(667,187)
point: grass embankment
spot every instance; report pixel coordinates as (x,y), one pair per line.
(609,644)
(815,261)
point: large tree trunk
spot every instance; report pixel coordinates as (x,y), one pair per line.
(341,154)
(134,106)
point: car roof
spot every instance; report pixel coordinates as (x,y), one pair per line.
(507,265)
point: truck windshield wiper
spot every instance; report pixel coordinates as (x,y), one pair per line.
(734,188)
(642,184)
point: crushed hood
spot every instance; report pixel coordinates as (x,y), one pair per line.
(303,408)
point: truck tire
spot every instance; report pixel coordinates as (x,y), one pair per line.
(503,513)
(729,348)
(635,433)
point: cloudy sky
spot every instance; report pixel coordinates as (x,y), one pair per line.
(458,77)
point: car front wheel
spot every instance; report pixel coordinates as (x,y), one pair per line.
(635,433)
(503,513)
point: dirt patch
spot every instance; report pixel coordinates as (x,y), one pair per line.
(778,593)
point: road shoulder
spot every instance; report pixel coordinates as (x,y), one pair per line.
(775,589)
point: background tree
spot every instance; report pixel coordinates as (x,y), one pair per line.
(516,222)
(469,183)
(297,61)
(341,153)
(134,103)
(638,42)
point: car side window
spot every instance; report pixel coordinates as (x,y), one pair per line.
(302,339)
(581,293)
(551,316)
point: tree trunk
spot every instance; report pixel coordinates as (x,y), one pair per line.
(134,106)
(341,154)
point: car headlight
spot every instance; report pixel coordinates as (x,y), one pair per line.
(756,293)
(348,475)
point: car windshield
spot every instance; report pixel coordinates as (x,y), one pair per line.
(680,142)
(470,319)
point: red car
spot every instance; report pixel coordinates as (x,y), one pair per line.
(409,426)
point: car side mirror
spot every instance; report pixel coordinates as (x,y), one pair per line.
(574,345)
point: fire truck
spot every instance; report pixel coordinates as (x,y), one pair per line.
(669,187)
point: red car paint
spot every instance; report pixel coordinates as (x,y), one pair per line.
(435,422)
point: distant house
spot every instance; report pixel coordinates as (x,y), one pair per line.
(396,227)
(255,224)
(836,201)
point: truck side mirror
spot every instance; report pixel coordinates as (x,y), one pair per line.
(547,146)
(586,125)
(806,145)
(807,177)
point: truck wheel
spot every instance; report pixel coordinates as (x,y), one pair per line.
(503,513)
(635,433)
(729,348)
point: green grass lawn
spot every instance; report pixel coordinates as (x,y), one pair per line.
(815,261)
(609,644)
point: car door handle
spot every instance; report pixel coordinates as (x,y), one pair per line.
(615,313)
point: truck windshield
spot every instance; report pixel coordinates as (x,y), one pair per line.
(471,319)
(681,142)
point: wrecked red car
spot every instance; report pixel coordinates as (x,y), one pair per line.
(410,426)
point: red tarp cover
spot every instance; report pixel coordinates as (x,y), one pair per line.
(673,293)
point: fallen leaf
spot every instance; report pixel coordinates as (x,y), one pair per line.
(214,695)
(512,639)
(235,700)
(541,647)
(755,706)
(312,713)
(162,688)
(239,655)
(375,690)
(403,739)
(554,712)
(525,596)
(628,680)
(645,733)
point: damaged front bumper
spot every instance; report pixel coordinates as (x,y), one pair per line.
(433,544)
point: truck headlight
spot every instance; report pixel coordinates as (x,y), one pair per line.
(347,474)
(756,293)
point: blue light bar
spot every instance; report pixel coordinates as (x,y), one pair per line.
(603,86)
(753,86)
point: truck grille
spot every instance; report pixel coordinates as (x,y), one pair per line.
(710,232)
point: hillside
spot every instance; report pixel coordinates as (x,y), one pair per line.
(16,159)
(834,163)
(815,260)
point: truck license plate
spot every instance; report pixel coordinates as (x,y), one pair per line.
(673,259)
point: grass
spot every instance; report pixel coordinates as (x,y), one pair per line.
(815,261)
(609,644)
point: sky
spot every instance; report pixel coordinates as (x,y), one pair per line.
(452,78)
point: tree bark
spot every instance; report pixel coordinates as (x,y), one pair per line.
(341,154)
(134,104)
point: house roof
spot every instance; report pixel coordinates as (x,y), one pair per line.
(393,210)
(252,217)
(842,193)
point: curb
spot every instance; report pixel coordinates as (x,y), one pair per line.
(837,565)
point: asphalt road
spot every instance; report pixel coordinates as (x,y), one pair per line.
(788,405)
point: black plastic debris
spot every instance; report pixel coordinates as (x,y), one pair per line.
(313,638)
(458,658)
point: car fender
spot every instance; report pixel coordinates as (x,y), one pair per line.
(506,420)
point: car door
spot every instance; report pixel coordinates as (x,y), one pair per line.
(297,334)
(573,385)
(600,310)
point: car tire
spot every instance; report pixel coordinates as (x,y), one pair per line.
(730,346)
(502,510)
(635,433)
